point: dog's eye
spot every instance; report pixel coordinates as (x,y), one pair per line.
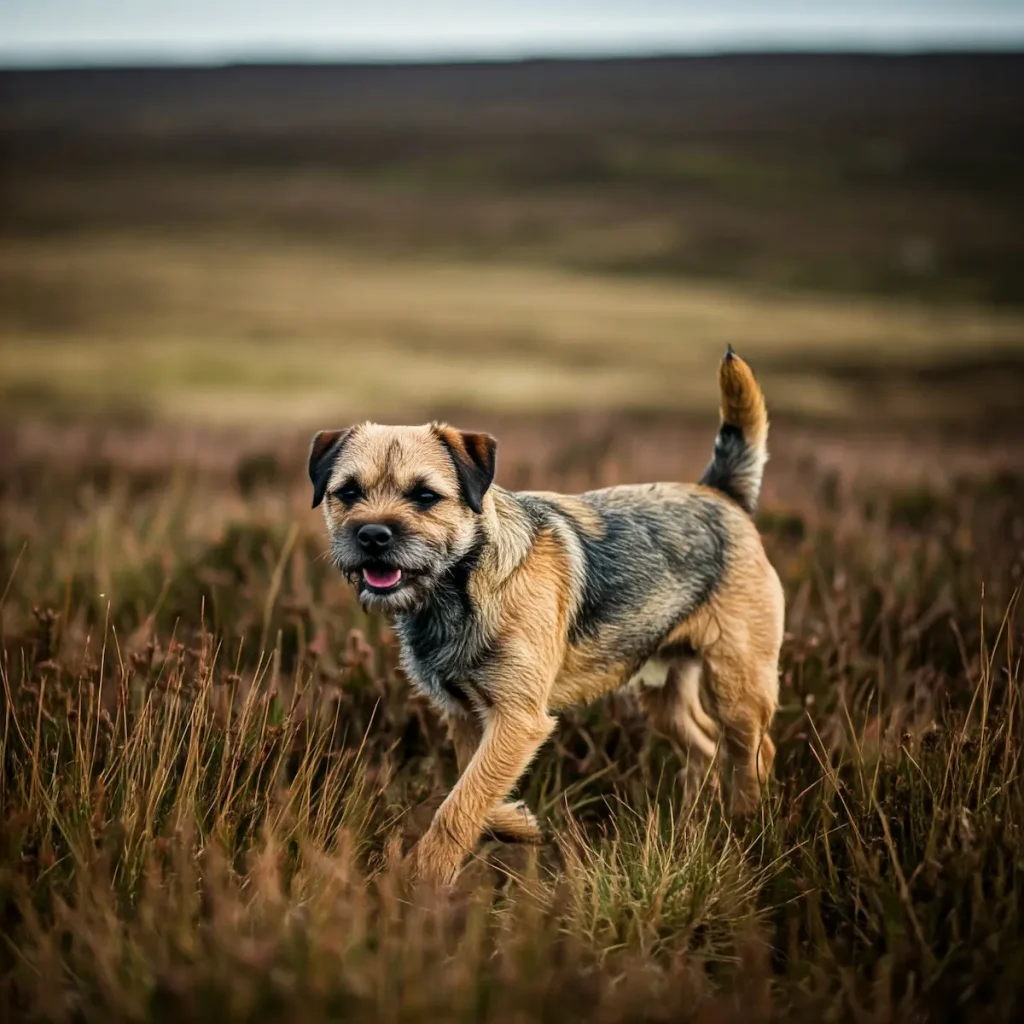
(349,492)
(424,496)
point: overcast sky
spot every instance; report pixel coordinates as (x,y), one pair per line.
(112,31)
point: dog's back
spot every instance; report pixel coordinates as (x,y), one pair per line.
(668,585)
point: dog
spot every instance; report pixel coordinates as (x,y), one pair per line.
(509,606)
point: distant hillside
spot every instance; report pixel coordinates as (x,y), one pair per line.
(898,175)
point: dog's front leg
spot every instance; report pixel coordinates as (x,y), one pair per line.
(512,735)
(510,821)
(464,730)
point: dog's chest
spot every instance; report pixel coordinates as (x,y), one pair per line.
(441,655)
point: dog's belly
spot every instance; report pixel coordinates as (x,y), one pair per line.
(653,674)
(582,680)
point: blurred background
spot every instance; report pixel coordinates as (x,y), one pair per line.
(281,217)
(225,224)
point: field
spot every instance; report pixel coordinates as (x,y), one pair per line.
(212,764)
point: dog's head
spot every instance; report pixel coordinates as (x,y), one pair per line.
(402,505)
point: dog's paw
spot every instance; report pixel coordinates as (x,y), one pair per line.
(514,823)
(435,860)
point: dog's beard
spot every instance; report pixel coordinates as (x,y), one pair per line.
(420,565)
(406,598)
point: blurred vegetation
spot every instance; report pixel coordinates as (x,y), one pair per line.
(249,243)
(214,330)
(212,763)
(862,174)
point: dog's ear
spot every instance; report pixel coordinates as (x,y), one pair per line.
(322,453)
(474,457)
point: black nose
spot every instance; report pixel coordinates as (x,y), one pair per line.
(374,537)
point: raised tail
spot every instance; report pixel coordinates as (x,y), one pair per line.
(741,448)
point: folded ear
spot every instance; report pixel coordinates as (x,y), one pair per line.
(474,457)
(322,453)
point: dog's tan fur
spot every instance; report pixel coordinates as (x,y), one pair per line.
(513,606)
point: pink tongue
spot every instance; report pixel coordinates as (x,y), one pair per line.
(382,578)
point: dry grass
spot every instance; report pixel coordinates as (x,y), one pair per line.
(222,330)
(211,764)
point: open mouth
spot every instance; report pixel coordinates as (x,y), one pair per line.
(382,579)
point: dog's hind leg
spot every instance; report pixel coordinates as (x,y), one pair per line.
(739,636)
(743,686)
(671,698)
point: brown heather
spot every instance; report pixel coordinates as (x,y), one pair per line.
(211,765)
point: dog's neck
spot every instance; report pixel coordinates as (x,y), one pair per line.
(443,641)
(507,532)
(450,617)
(502,542)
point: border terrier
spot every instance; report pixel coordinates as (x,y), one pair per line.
(509,606)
